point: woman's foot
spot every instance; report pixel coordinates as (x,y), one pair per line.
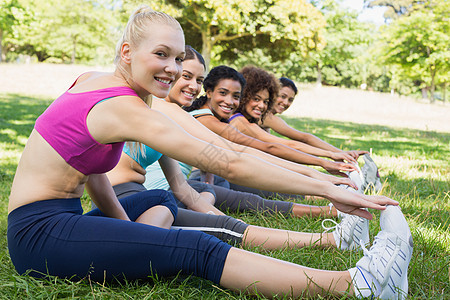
(388,259)
(371,177)
(350,232)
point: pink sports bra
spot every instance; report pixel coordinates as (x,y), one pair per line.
(63,126)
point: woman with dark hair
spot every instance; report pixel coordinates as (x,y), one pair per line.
(257,99)
(282,102)
(208,116)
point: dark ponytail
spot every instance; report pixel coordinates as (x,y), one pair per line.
(212,80)
(196,104)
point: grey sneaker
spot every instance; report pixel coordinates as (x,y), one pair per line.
(370,175)
(388,258)
(350,233)
(358,178)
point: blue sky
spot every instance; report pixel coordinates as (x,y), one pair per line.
(374,15)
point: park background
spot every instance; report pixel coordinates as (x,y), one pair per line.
(379,86)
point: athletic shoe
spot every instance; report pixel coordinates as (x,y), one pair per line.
(371,177)
(350,232)
(388,258)
(358,178)
(340,214)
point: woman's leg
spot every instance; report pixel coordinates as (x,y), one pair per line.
(228,229)
(265,194)
(241,201)
(246,271)
(52,237)
(161,213)
(381,272)
(270,238)
(224,228)
(219,181)
(303,210)
(346,235)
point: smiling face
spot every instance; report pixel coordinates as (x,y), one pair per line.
(284,100)
(257,105)
(156,62)
(189,85)
(224,99)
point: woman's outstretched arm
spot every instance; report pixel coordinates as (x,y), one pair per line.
(231,133)
(310,154)
(182,190)
(129,118)
(200,131)
(280,126)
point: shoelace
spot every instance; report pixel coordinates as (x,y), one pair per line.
(376,246)
(329,228)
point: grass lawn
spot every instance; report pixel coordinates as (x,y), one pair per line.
(415,170)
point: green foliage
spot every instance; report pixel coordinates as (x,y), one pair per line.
(418,45)
(226,28)
(414,167)
(343,61)
(394,8)
(305,40)
(11,13)
(66,31)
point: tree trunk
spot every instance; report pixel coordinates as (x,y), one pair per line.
(433,86)
(444,91)
(207,44)
(319,75)
(74,50)
(425,93)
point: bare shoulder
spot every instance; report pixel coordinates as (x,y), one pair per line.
(91,81)
(162,105)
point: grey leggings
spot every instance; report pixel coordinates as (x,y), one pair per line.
(237,201)
(219,181)
(224,228)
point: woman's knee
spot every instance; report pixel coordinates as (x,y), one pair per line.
(137,204)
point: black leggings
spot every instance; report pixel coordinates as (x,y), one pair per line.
(54,237)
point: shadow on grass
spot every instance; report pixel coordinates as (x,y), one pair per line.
(17,117)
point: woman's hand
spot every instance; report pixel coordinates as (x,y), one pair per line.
(351,202)
(337,168)
(342,156)
(356,153)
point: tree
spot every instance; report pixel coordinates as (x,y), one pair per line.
(398,8)
(419,45)
(65,30)
(227,27)
(341,62)
(10,11)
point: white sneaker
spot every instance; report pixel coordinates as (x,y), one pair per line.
(340,214)
(350,232)
(371,176)
(388,258)
(358,178)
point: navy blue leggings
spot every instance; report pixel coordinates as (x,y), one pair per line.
(54,237)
